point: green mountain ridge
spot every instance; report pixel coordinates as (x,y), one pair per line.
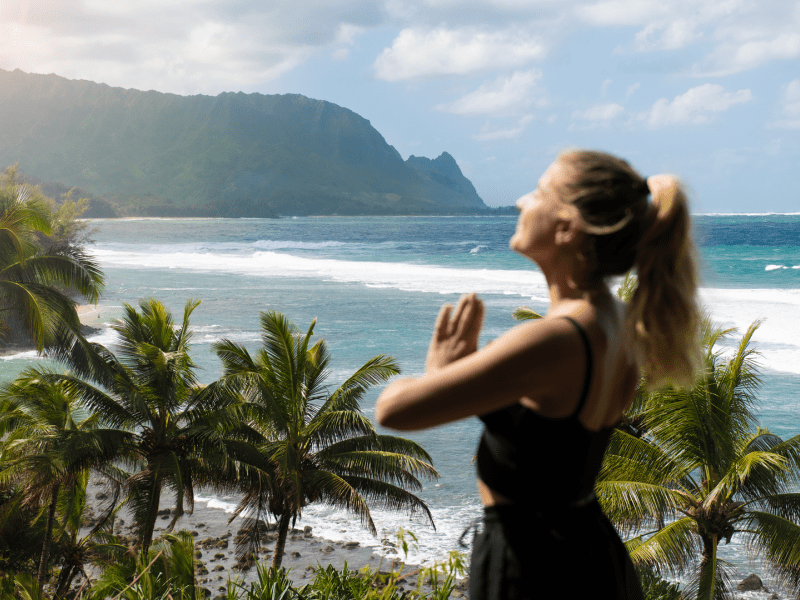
(231,155)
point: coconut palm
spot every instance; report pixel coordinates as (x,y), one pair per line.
(300,443)
(146,399)
(34,283)
(696,471)
(47,439)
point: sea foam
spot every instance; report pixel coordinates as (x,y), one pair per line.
(398,275)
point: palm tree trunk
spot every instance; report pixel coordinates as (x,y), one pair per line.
(65,580)
(152,515)
(280,544)
(41,576)
(708,568)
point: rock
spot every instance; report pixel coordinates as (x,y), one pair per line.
(164,512)
(773,596)
(244,563)
(295,554)
(101,496)
(350,545)
(307,531)
(198,554)
(218,568)
(199,525)
(751,583)
(219,555)
(194,534)
(328,549)
(463,585)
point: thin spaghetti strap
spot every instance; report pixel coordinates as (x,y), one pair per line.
(587,380)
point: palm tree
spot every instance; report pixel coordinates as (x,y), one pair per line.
(299,443)
(148,403)
(46,433)
(695,471)
(34,282)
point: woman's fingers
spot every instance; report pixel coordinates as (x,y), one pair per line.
(469,315)
(458,317)
(442,326)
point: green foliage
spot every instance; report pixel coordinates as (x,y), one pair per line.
(657,588)
(67,228)
(696,472)
(523,313)
(167,570)
(302,442)
(35,281)
(230,155)
(154,423)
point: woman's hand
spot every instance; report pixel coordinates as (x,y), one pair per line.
(457,336)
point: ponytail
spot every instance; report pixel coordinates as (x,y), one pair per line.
(663,314)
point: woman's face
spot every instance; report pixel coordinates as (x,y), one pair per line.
(539,213)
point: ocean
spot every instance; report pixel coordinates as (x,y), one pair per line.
(375,285)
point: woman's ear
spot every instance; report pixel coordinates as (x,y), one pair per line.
(568,228)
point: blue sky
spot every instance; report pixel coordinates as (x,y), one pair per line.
(707,90)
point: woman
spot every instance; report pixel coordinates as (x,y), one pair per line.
(551,391)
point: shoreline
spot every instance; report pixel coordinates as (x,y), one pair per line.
(214,541)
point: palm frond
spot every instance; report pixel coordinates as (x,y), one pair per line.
(670,550)
(756,471)
(778,540)
(523,313)
(630,505)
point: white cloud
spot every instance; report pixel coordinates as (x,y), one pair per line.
(694,106)
(629,91)
(604,87)
(672,35)
(487,133)
(417,52)
(503,96)
(181,46)
(790,106)
(731,35)
(600,115)
(620,12)
(735,57)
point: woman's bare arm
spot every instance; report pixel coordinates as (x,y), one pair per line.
(532,359)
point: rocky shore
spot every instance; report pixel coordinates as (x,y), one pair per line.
(215,543)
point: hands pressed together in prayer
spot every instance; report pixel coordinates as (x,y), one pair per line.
(455,336)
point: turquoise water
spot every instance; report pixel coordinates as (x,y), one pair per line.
(375,284)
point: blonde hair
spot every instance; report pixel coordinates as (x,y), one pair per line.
(625,231)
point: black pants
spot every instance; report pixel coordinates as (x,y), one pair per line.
(556,553)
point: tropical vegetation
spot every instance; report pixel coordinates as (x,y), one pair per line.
(39,274)
(136,419)
(300,443)
(690,469)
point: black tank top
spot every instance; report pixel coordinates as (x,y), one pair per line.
(529,458)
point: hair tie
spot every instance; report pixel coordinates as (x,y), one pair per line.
(607,229)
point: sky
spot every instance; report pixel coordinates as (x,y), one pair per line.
(706,89)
